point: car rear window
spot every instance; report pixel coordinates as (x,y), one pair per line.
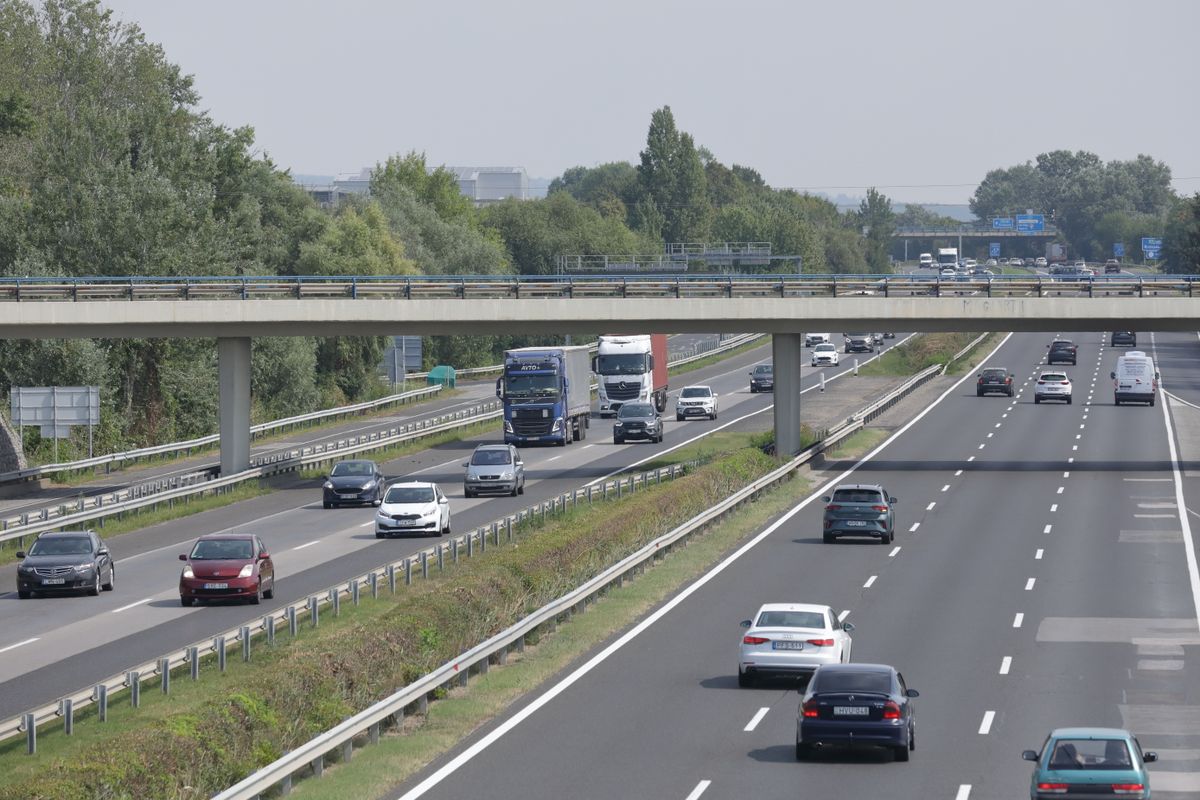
(791,619)
(1090,754)
(1053,376)
(847,681)
(1059,345)
(857,496)
(994,373)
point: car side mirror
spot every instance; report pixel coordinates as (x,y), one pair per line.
(444,500)
(1149,757)
(1012,374)
(20,554)
(847,626)
(745,623)
(103,551)
(978,374)
(911,693)
(466,463)
(1112,375)
(1031,755)
(1157,376)
(826,499)
(264,555)
(183,556)
(520,463)
(893,500)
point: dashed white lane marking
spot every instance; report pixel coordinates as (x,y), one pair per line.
(1029,584)
(1060,489)
(134,604)
(586,446)
(930,506)
(1053,507)
(985,727)
(946,488)
(1005,665)
(969,460)
(1085,416)
(1066,474)
(552,458)
(1071,460)
(310,544)
(1047,529)
(1079,436)
(914,527)
(1154,516)
(870,582)
(983,445)
(958,473)
(19,644)
(1082,425)
(700,789)
(990,435)
(1147,480)
(842,616)
(364,525)
(1074,447)
(998,424)
(894,552)
(964,792)
(757,718)
(1038,555)
(1018,619)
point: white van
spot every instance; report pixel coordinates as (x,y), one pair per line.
(925,260)
(1135,379)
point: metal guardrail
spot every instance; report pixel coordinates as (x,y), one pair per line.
(583,287)
(87,509)
(175,448)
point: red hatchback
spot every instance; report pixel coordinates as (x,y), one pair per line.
(227,566)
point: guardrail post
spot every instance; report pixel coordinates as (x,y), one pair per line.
(66,710)
(496,534)
(508,528)
(100,695)
(347,751)
(423,704)
(391,576)
(219,646)
(134,681)
(441,558)
(470,544)
(314,611)
(269,627)
(164,674)
(482,540)
(454,551)
(335,600)
(291,618)
(408,572)
(193,659)
(374,579)
(244,635)
(30,725)
(425,565)
(285,785)
(521,644)
(373,734)
(619,491)
(318,766)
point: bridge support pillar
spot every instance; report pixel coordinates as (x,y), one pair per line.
(233,370)
(787,353)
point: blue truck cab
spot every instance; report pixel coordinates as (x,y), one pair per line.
(547,395)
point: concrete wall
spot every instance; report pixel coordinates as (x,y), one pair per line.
(12,452)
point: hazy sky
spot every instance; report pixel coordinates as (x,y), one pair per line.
(920,98)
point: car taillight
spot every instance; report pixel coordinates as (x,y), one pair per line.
(821,642)
(1041,383)
(1066,383)
(809,709)
(891,710)
(981,380)
(755,640)
(880,509)
(833,508)
(1054,788)
(1128,788)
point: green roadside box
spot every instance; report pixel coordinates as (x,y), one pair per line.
(443,374)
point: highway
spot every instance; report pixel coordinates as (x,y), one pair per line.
(53,645)
(1042,576)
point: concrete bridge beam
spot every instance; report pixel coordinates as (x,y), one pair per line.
(787,353)
(233,371)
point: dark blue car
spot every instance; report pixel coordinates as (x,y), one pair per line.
(856,704)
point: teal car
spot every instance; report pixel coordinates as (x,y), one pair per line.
(1085,763)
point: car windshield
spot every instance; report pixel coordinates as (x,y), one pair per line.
(622,364)
(491,456)
(791,619)
(352,468)
(857,496)
(825,348)
(399,495)
(223,550)
(1090,754)
(762,369)
(696,391)
(519,384)
(847,681)
(636,410)
(61,546)
(995,373)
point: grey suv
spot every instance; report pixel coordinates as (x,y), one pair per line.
(860,509)
(66,561)
(494,468)
(638,421)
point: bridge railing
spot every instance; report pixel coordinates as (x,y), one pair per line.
(566,287)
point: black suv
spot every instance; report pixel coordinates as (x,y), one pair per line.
(66,561)
(994,379)
(1124,337)
(638,421)
(762,379)
(860,343)
(1061,351)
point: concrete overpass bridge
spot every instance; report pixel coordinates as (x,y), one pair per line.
(233,310)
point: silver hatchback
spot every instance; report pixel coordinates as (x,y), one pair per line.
(494,468)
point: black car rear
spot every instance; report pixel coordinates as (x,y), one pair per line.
(1062,351)
(856,704)
(994,380)
(1126,338)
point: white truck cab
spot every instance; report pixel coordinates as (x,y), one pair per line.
(814,339)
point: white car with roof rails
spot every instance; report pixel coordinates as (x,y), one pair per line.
(791,640)
(696,401)
(1052,385)
(825,355)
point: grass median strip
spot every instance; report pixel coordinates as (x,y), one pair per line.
(207,735)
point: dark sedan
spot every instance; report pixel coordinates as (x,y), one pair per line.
(66,561)
(1128,338)
(856,704)
(859,509)
(227,567)
(994,379)
(359,482)
(1062,351)
(638,421)
(762,378)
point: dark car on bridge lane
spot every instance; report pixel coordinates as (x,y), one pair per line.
(358,481)
(994,379)
(66,561)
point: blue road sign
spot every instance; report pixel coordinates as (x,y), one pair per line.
(1151,253)
(1151,243)
(1031,223)
(1118,249)
(1002,223)
(993,250)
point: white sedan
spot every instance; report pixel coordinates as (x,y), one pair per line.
(791,639)
(413,507)
(825,355)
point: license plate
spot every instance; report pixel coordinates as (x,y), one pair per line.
(53,581)
(406,523)
(851,711)
(856,523)
(216,586)
(787,645)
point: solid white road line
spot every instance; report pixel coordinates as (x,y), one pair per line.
(1189,546)
(553,458)
(132,605)
(701,787)
(964,792)
(19,644)
(1029,584)
(554,691)
(1038,555)
(1018,619)
(1006,665)
(985,727)
(757,718)
(310,544)
(895,550)
(870,581)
